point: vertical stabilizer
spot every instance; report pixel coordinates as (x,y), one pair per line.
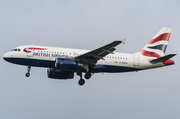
(157,45)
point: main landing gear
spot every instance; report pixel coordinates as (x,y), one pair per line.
(82,81)
(28,69)
(87,75)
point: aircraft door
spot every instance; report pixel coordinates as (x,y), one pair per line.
(30,51)
(136,60)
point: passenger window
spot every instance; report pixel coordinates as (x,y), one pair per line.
(19,50)
(15,49)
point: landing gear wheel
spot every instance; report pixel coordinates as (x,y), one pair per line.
(87,75)
(27,74)
(28,69)
(81,82)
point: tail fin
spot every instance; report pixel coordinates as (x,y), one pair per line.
(157,45)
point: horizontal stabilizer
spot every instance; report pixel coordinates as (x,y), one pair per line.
(163,59)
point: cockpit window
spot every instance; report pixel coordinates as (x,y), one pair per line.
(16,50)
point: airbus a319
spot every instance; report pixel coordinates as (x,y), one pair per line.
(62,63)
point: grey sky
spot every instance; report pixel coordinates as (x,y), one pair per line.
(88,25)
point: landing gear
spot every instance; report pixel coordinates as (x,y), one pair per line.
(27,74)
(81,81)
(28,69)
(87,75)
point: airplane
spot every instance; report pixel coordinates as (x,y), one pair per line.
(62,63)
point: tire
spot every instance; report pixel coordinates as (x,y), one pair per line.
(87,75)
(81,82)
(27,74)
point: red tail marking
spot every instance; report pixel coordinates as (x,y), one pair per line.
(149,54)
(162,37)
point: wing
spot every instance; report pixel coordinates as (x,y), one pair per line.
(93,56)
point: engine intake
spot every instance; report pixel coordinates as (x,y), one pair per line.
(59,74)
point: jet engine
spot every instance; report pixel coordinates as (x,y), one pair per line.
(63,63)
(59,74)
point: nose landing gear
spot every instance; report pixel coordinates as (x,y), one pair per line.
(28,69)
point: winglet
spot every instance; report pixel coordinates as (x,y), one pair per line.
(123,41)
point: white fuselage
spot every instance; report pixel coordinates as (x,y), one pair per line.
(62,63)
(42,56)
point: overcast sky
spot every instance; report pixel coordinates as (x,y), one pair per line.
(82,24)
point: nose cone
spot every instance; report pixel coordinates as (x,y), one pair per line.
(9,58)
(6,56)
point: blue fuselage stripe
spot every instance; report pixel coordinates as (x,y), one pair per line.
(51,64)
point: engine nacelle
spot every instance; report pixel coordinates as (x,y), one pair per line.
(59,74)
(63,63)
